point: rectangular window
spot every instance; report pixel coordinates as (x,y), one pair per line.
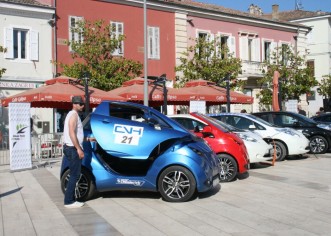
(250,49)
(74,36)
(21,44)
(116,32)
(267,51)
(284,53)
(224,40)
(311,65)
(153,42)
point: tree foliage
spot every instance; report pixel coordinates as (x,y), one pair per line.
(2,70)
(325,87)
(295,77)
(94,54)
(208,60)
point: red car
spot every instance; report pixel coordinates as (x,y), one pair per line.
(228,146)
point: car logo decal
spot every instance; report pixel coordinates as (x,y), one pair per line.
(126,134)
(130,182)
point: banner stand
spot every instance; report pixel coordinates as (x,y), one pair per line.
(20,136)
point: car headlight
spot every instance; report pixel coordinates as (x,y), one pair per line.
(246,137)
(289,132)
(324,126)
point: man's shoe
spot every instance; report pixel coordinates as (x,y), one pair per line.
(74,205)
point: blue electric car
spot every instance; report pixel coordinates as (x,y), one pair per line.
(138,148)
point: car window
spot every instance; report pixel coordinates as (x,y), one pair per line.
(135,114)
(189,123)
(284,120)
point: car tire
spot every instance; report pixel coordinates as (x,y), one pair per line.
(318,144)
(281,151)
(85,189)
(228,166)
(176,184)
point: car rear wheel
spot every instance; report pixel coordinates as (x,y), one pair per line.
(281,152)
(228,166)
(318,144)
(176,184)
(85,187)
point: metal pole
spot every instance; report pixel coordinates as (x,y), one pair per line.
(165,95)
(280,93)
(228,93)
(87,96)
(145,56)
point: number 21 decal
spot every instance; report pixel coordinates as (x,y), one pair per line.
(126,139)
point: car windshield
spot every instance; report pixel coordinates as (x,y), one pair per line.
(305,119)
(261,120)
(219,124)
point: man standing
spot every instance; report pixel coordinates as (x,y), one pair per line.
(300,111)
(73,136)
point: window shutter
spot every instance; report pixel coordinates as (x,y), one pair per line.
(256,50)
(34,45)
(232,45)
(9,43)
(121,32)
(157,43)
(243,48)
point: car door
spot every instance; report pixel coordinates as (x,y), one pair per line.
(129,131)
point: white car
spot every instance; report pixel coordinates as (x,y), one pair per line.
(258,150)
(286,140)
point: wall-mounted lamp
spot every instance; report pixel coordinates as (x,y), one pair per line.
(190,21)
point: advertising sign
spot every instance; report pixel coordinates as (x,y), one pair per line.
(19,136)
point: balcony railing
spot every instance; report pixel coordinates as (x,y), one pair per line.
(250,68)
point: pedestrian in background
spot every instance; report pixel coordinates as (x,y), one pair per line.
(300,111)
(321,111)
(243,111)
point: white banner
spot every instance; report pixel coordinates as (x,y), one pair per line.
(19,136)
(198,106)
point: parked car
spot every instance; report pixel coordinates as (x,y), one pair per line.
(228,146)
(286,141)
(319,135)
(156,154)
(257,148)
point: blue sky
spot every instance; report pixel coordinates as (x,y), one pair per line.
(266,5)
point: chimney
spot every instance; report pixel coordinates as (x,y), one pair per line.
(251,9)
(275,9)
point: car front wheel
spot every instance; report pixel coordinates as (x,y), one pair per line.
(318,144)
(85,187)
(280,151)
(176,184)
(228,166)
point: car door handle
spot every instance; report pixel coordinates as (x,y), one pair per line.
(106,121)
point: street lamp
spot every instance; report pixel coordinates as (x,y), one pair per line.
(227,80)
(145,56)
(86,78)
(161,81)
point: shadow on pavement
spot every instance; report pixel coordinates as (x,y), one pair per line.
(10,192)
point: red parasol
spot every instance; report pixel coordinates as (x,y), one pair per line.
(207,91)
(57,93)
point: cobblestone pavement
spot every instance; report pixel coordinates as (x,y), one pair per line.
(291,198)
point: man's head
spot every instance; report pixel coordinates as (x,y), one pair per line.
(77,103)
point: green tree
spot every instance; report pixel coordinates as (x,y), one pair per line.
(208,60)
(325,87)
(296,77)
(95,54)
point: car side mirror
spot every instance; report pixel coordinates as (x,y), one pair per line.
(207,132)
(251,127)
